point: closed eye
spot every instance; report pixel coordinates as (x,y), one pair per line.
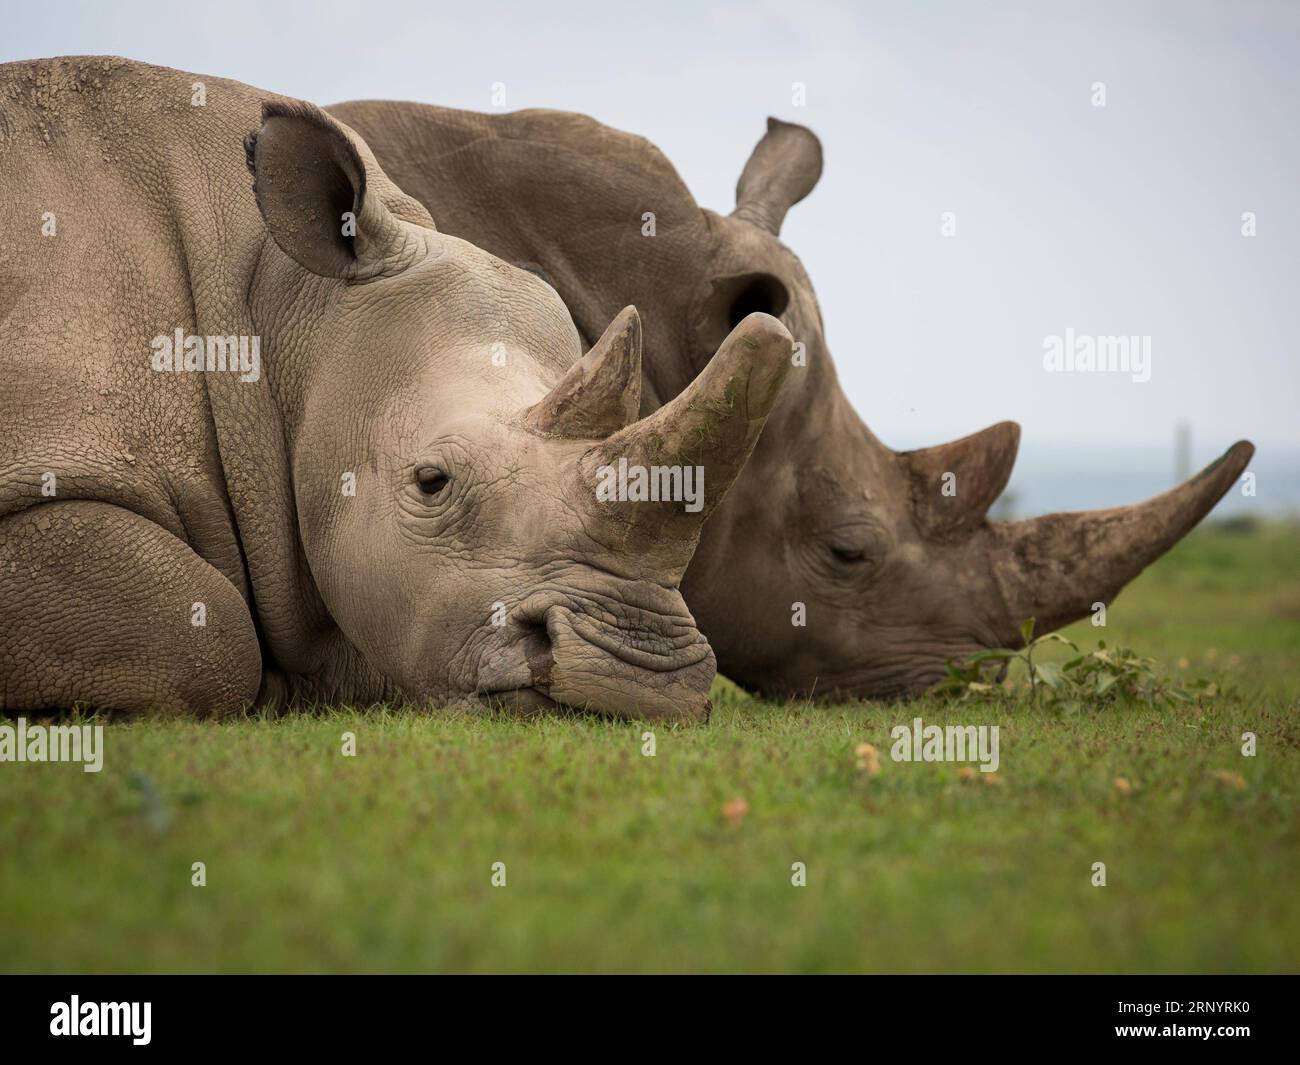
(848,554)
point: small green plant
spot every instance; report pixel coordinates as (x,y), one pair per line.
(1104,676)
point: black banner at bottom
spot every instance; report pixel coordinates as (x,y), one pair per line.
(342,1013)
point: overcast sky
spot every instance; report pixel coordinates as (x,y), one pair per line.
(1116,220)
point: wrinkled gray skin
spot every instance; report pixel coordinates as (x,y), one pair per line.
(444,380)
(896,578)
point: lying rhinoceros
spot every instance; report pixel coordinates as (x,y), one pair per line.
(305,446)
(892,576)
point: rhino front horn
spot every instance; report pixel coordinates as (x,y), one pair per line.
(1055,568)
(601,392)
(707,433)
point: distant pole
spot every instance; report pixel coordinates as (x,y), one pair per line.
(1005,507)
(1182,452)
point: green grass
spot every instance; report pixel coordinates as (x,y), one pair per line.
(616,861)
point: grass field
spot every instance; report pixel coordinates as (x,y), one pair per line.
(616,861)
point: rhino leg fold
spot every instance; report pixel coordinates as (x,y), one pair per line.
(103,609)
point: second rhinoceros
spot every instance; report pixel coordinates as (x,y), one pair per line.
(288,441)
(891,574)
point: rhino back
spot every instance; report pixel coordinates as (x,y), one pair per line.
(125,214)
(565,192)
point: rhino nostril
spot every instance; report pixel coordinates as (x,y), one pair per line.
(536,642)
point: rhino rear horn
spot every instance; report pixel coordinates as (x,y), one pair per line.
(782,170)
(954,484)
(601,392)
(1055,568)
(712,426)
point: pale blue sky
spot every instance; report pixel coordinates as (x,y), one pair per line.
(1117,220)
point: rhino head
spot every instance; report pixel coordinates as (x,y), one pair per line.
(447,443)
(896,576)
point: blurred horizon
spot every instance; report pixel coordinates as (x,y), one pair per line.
(1115,220)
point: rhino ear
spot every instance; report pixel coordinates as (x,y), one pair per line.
(783,169)
(311,179)
(734,297)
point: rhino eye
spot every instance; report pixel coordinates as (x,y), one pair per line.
(849,555)
(430,480)
(857,549)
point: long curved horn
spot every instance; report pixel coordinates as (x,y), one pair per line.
(979,465)
(1054,568)
(782,170)
(601,392)
(711,426)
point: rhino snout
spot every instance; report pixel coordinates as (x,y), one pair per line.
(622,657)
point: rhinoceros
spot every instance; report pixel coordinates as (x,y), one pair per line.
(891,576)
(277,439)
